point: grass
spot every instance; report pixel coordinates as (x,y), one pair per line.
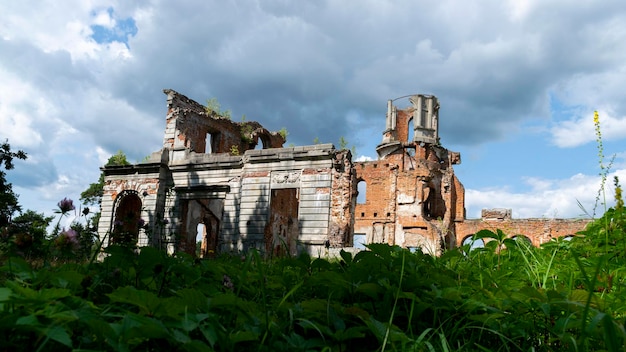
(507,296)
(556,297)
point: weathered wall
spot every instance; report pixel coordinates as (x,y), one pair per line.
(287,200)
(188,124)
(538,231)
(143,181)
(413,196)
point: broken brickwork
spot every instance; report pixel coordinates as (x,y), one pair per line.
(233,186)
(537,231)
(412,196)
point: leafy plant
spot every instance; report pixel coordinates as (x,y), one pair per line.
(283,133)
(213,106)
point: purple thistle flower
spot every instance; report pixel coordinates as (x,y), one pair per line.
(66,205)
(68,237)
(72,235)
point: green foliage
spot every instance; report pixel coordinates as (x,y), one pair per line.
(343,143)
(246,133)
(213,106)
(234,150)
(117,159)
(26,234)
(93,194)
(507,296)
(283,133)
(8,199)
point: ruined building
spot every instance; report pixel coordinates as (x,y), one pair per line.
(235,186)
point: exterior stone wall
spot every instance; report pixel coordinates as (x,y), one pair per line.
(209,182)
(538,231)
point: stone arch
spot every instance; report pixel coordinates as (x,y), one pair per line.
(473,243)
(262,137)
(361,191)
(126,218)
(523,238)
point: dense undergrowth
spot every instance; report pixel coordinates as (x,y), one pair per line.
(508,296)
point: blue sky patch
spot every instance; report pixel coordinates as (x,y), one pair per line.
(124,28)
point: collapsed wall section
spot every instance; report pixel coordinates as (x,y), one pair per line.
(412,197)
(191,126)
(536,231)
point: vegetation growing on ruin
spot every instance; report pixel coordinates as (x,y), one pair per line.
(213,106)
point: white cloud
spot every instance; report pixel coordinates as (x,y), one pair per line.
(364,158)
(103,18)
(580,129)
(16,121)
(320,69)
(547,198)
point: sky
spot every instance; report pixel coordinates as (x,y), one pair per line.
(518,82)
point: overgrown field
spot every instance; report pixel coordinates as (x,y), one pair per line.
(566,296)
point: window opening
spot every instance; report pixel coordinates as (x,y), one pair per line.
(473,243)
(524,239)
(359,241)
(411,131)
(127,220)
(207,143)
(361,197)
(200,231)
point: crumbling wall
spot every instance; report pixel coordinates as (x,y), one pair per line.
(342,200)
(141,181)
(413,196)
(188,124)
(285,200)
(538,231)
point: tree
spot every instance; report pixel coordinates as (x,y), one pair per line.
(343,143)
(93,194)
(8,198)
(28,231)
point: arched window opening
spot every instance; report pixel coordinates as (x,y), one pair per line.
(200,232)
(127,220)
(361,197)
(263,141)
(473,243)
(523,240)
(411,131)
